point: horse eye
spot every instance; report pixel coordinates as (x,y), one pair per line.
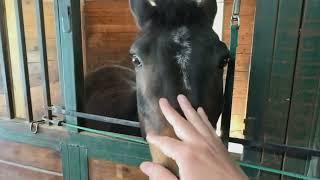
(136,61)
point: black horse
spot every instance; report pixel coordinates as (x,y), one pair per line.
(176,52)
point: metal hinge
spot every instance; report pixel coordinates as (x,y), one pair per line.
(34,126)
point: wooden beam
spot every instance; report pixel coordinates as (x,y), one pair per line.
(14,60)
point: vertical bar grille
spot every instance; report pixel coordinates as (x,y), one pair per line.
(43,57)
(4,61)
(23,60)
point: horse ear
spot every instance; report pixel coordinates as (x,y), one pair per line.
(142,10)
(210,8)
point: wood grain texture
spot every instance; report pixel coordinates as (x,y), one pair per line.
(243,61)
(11,172)
(109,32)
(29,155)
(101,170)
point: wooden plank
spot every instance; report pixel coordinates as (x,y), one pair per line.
(84,167)
(98,146)
(109,30)
(99,170)
(243,60)
(14,60)
(75,162)
(304,107)
(281,80)
(32,156)
(5,75)
(314,167)
(17,172)
(262,53)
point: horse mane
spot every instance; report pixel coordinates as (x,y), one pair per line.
(178,12)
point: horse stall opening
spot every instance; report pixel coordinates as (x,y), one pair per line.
(108,31)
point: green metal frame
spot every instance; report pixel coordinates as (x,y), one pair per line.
(81,146)
(69,35)
(75,145)
(284,85)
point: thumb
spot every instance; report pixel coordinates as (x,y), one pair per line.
(156,171)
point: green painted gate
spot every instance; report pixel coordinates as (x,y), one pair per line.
(284,90)
(76,148)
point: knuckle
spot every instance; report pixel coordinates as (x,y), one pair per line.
(188,155)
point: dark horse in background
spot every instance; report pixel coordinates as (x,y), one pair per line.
(176,52)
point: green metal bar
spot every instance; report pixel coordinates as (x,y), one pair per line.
(58,44)
(4,61)
(23,60)
(275,171)
(71,56)
(109,134)
(84,167)
(43,57)
(74,162)
(226,115)
(105,119)
(65,161)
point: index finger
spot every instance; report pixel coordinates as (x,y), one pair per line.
(168,146)
(183,129)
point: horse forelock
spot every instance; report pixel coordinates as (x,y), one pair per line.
(178,12)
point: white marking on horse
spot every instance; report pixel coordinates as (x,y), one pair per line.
(182,37)
(152,2)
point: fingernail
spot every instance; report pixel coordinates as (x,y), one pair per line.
(163,101)
(182,98)
(200,109)
(145,167)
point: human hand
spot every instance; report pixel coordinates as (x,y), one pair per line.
(199,153)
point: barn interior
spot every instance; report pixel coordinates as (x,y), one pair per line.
(279,39)
(108,29)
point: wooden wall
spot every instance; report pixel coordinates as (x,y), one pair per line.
(30,25)
(243,61)
(109,30)
(100,170)
(22,161)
